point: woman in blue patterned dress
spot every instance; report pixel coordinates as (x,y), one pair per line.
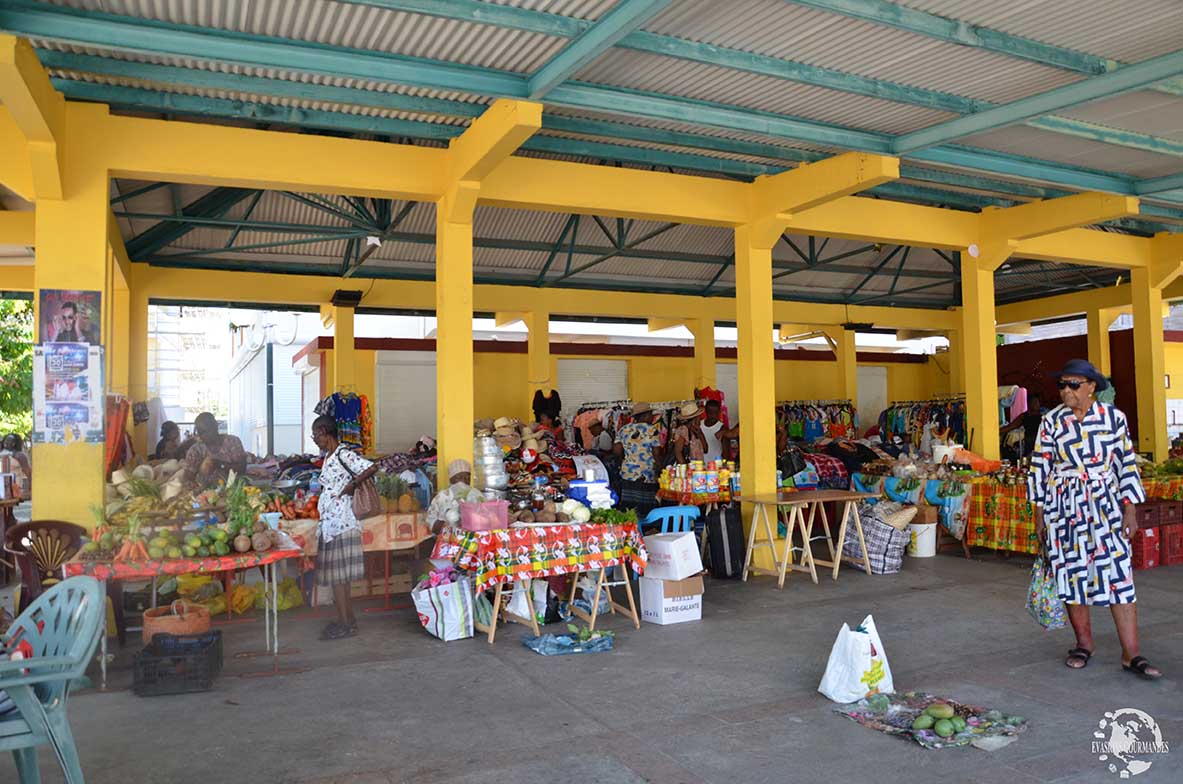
(1084,483)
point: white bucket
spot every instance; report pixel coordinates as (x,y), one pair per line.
(923,543)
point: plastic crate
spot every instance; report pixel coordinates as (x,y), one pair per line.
(178,664)
(1149,513)
(1170,512)
(1171,545)
(1146,548)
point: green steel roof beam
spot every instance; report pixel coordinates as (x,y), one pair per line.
(964,34)
(113,31)
(698,52)
(147,99)
(197,42)
(1130,77)
(185,254)
(1159,185)
(138,192)
(875,271)
(439,106)
(246,216)
(213,204)
(625,17)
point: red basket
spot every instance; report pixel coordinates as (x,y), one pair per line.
(1171,547)
(1146,548)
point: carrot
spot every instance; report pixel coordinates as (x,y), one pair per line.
(124,551)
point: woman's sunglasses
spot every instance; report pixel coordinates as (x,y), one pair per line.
(1073,385)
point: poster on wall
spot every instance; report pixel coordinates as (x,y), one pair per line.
(69,316)
(67,393)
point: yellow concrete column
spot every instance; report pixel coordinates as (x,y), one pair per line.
(538,354)
(844,349)
(71,241)
(1099,321)
(119,342)
(981,351)
(956,357)
(137,361)
(757,375)
(344,355)
(453,305)
(1149,367)
(704,352)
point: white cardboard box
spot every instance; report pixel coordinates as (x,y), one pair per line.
(672,556)
(671,601)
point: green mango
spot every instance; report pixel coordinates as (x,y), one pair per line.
(940,710)
(203,552)
(959,724)
(923,722)
(189,551)
(155,553)
(174,552)
(943,727)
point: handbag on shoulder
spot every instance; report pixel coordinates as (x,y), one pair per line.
(366,501)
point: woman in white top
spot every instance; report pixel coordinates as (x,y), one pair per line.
(714,432)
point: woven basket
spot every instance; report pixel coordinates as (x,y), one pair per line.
(899,520)
(180,617)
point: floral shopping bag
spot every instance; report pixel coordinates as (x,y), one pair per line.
(1043,600)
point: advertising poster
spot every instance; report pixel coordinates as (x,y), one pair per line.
(67,393)
(70,316)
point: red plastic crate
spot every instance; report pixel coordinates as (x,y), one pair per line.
(1146,548)
(1171,546)
(1170,512)
(1149,513)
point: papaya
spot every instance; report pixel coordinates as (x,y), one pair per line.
(923,722)
(943,727)
(940,710)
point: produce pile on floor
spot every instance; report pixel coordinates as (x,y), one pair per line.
(933,722)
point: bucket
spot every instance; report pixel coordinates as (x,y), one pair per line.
(923,543)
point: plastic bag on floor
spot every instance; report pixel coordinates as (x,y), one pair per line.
(559,645)
(445,611)
(858,665)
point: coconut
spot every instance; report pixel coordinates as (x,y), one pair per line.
(261,542)
(526,517)
(260,527)
(144,472)
(242,543)
(119,476)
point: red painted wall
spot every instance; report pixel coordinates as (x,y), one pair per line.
(1028,365)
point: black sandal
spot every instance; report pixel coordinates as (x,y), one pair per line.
(336,631)
(1139,666)
(1078,654)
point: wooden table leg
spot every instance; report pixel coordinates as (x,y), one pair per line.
(747,562)
(826,526)
(632,606)
(841,539)
(858,527)
(786,560)
(806,540)
(496,611)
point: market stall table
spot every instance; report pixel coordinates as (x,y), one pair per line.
(980,511)
(520,554)
(797,502)
(149,570)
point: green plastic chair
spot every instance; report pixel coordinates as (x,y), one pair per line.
(61,627)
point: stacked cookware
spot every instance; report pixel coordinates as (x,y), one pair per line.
(488,468)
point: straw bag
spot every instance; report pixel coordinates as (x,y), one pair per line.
(180,617)
(899,518)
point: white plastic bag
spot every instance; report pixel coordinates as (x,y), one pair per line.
(446,610)
(858,665)
(520,603)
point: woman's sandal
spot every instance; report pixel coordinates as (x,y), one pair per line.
(1080,655)
(1139,665)
(337,631)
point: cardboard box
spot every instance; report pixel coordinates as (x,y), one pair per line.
(671,601)
(672,556)
(927,514)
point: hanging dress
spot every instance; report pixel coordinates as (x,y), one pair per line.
(1083,472)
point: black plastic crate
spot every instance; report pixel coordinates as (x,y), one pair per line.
(178,664)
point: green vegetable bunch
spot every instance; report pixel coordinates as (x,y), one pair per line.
(586,635)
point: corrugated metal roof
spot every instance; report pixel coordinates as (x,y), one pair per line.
(1129,31)
(1058,148)
(779,29)
(639,71)
(1144,111)
(352,25)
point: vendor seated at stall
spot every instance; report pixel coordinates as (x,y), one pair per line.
(1029,421)
(170,446)
(551,425)
(214,455)
(601,445)
(445,507)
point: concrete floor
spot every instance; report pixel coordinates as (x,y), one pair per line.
(731,699)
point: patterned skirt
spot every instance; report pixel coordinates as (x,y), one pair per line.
(340,561)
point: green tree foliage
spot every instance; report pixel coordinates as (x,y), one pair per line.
(16,367)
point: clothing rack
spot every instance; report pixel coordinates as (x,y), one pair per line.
(940,399)
(835,402)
